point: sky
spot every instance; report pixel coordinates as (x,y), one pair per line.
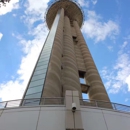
(106,30)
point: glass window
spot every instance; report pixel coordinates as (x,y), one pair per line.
(36,83)
(42,63)
(41,67)
(47,48)
(45,56)
(45,53)
(38,77)
(31,102)
(43,60)
(34,90)
(35,95)
(40,72)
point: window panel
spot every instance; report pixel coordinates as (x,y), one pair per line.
(38,77)
(31,102)
(46,52)
(40,72)
(36,83)
(36,95)
(45,56)
(34,90)
(47,49)
(46,60)
(42,63)
(41,67)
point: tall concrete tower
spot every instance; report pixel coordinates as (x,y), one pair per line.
(65,57)
(53,98)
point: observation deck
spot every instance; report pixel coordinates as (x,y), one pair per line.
(71,8)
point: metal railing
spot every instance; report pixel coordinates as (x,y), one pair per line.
(32,102)
(103,104)
(61,101)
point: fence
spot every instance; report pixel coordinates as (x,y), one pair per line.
(32,102)
(103,104)
(61,101)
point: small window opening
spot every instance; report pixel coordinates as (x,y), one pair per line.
(75,39)
(85,96)
(82,81)
(84,86)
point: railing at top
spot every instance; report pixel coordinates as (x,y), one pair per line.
(103,104)
(61,101)
(32,102)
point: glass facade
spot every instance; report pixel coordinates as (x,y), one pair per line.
(36,83)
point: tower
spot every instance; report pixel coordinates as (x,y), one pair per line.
(53,98)
(65,58)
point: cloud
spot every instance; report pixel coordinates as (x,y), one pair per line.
(124,44)
(110,48)
(127,99)
(83,3)
(14,89)
(13,4)
(1,35)
(117,78)
(94,2)
(95,28)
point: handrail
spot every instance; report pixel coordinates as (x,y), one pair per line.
(32,102)
(104,104)
(61,101)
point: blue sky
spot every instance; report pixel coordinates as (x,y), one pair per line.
(106,30)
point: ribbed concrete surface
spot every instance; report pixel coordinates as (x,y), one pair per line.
(97,90)
(52,87)
(79,58)
(70,70)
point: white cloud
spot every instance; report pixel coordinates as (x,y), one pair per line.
(96,29)
(128,82)
(14,88)
(110,48)
(94,2)
(83,3)
(124,44)
(1,35)
(127,99)
(118,78)
(13,4)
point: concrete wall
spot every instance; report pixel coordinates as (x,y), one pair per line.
(95,119)
(37,118)
(53,118)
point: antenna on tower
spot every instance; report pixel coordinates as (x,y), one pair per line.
(3,2)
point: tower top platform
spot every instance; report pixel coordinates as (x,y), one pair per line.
(71,8)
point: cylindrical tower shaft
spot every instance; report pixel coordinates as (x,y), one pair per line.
(70,70)
(97,90)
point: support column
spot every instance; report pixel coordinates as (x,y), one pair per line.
(70,70)
(73,120)
(97,90)
(52,87)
